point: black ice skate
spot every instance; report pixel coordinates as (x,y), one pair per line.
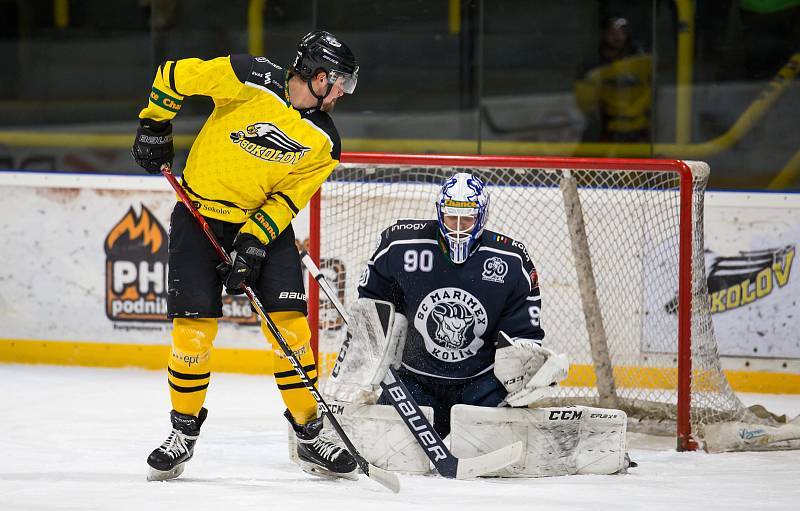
(318,456)
(167,462)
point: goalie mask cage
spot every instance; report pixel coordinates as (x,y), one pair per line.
(618,247)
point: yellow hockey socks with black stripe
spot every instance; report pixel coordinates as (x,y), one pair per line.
(294,329)
(189,366)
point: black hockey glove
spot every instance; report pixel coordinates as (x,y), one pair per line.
(250,253)
(153,145)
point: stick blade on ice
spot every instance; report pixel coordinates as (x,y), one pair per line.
(384,477)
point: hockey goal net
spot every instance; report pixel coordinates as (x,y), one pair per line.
(618,246)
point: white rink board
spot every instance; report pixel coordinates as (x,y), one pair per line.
(755,222)
(56,280)
(54,283)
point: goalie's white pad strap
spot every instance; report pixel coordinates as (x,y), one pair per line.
(374,341)
(557,441)
(381,436)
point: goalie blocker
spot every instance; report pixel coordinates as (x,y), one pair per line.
(556,441)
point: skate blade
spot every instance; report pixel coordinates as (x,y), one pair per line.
(316,470)
(164,475)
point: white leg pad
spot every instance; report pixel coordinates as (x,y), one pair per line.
(379,434)
(556,441)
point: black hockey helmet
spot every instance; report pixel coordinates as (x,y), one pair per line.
(322,51)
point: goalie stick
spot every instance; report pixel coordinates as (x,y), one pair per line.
(446,464)
(386,478)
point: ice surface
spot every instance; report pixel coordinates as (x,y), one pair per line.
(77,438)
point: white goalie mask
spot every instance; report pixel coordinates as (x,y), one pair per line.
(462,210)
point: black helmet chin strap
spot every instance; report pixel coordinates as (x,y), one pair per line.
(319,98)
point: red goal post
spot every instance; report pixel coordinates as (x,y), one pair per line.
(593,201)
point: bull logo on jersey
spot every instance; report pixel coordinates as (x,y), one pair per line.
(266,141)
(494,269)
(451,322)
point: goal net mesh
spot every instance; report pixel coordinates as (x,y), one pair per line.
(605,244)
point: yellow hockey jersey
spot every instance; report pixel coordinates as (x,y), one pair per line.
(257,160)
(620,91)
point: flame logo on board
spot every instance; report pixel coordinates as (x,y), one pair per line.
(136,268)
(143,226)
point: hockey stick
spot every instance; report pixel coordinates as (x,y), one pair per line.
(446,464)
(387,479)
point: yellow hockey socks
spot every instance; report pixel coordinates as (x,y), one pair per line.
(294,329)
(189,365)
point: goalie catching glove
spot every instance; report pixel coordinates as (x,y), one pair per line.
(526,369)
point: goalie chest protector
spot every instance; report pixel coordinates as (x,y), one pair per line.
(454,310)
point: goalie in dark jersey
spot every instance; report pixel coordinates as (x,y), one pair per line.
(456,309)
(459,285)
(463,331)
(264,151)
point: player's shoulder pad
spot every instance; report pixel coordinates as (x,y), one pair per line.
(323,122)
(409,229)
(259,72)
(506,243)
(403,231)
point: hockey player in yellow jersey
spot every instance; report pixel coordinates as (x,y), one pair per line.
(264,151)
